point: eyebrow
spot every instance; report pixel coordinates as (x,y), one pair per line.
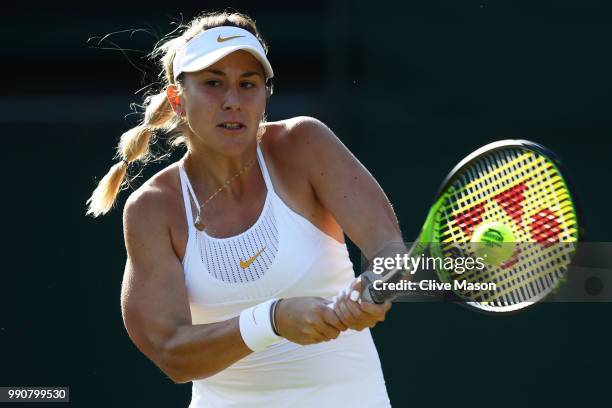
(221,73)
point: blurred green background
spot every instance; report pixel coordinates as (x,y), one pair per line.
(409,88)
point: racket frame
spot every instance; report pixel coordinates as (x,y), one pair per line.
(424,240)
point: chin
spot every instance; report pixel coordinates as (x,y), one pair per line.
(232,145)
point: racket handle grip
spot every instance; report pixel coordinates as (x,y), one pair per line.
(369,294)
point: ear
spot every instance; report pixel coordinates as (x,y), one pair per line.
(174,98)
(269,88)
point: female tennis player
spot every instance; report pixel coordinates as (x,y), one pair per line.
(235,251)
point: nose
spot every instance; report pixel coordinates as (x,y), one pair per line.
(232,99)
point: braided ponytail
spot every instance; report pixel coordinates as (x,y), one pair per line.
(133,146)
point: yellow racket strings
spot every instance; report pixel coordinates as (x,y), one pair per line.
(524,191)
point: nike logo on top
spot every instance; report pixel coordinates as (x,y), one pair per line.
(245,264)
(221,39)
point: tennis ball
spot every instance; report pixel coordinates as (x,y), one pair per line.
(494,243)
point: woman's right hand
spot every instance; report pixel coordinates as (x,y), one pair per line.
(307,320)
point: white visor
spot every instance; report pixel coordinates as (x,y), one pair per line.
(211,45)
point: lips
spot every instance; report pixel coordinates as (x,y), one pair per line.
(231,125)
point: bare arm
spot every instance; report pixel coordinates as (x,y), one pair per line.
(345,187)
(348,190)
(155,304)
(156,312)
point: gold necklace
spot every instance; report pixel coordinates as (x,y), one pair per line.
(199,223)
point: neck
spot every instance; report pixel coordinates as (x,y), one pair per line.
(210,169)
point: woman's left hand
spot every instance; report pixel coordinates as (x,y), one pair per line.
(358,315)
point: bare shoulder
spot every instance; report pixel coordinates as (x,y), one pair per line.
(153,204)
(297,138)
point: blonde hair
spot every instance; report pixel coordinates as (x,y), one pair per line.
(158,114)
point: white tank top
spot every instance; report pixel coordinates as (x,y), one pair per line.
(282,255)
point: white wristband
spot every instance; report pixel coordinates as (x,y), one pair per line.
(256,326)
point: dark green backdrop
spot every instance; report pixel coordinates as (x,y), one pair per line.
(410,89)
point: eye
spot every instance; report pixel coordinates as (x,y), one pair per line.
(212,83)
(247,85)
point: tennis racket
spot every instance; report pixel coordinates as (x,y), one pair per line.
(511,203)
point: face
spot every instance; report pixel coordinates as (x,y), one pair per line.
(223,104)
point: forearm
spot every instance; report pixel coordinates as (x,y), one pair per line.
(200,351)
